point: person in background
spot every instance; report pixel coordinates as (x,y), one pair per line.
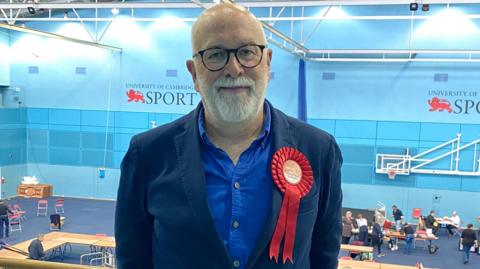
(347,222)
(455,219)
(421,224)
(377,237)
(431,222)
(35,249)
(362,229)
(4,223)
(467,240)
(397,215)
(409,237)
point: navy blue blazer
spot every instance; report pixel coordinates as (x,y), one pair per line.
(162,216)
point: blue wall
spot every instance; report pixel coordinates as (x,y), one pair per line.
(78,117)
(4,58)
(393,91)
(12,148)
(360,141)
(69,88)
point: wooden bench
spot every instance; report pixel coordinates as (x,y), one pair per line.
(349,264)
(361,249)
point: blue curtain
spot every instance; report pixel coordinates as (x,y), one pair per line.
(302,95)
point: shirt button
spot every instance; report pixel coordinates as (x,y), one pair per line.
(236,263)
(236,224)
(236,185)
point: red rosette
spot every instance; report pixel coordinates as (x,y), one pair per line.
(292,173)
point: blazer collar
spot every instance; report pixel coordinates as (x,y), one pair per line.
(283,136)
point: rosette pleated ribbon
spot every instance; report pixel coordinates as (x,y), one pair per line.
(292,173)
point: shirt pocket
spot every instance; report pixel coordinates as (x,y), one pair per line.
(308,204)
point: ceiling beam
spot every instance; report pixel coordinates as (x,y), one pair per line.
(250,4)
(60,37)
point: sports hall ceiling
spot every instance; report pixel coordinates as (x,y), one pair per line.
(275,15)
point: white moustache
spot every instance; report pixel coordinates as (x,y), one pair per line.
(233,82)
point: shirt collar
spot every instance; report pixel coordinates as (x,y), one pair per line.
(261,137)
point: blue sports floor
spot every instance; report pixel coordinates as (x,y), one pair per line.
(86,216)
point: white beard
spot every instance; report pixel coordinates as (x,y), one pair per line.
(235,107)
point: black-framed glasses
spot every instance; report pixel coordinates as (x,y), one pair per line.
(215,59)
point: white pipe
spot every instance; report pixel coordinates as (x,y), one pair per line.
(61,37)
(457,159)
(391,51)
(445,154)
(94,19)
(369,18)
(475,157)
(308,18)
(391,60)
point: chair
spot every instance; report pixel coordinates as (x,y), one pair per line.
(18,210)
(387,225)
(59,206)
(42,207)
(14,223)
(55,224)
(417,213)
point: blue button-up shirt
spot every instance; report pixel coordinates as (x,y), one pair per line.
(239,196)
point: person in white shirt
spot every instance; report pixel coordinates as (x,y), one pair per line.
(455,219)
(362,229)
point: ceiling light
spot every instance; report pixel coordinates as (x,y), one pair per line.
(413,6)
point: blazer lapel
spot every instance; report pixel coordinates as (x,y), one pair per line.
(282,137)
(188,148)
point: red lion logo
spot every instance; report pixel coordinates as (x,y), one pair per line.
(439,104)
(135,96)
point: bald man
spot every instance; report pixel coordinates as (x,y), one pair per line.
(235,183)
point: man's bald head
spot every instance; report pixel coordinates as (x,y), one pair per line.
(221,16)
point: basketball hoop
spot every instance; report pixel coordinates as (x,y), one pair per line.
(391,174)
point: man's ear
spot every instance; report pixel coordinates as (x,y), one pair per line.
(269,57)
(269,61)
(191,68)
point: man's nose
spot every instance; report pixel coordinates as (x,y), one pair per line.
(233,68)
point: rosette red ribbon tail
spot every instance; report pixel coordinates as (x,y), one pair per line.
(286,225)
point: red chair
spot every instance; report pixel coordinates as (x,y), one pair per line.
(417,213)
(18,210)
(387,225)
(59,206)
(42,207)
(14,223)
